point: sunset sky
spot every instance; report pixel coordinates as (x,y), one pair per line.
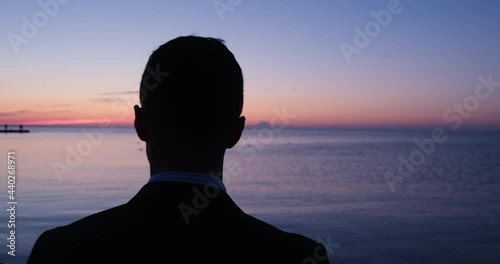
(83,63)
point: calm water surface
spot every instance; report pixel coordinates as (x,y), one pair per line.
(328,185)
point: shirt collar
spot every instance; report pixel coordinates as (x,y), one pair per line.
(188,177)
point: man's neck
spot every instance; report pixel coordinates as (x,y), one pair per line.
(185,160)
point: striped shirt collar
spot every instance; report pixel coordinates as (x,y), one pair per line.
(188,177)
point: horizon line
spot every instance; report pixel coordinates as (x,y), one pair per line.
(319,127)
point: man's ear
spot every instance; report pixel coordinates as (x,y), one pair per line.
(140,123)
(236,131)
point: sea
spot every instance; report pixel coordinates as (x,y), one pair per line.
(369,195)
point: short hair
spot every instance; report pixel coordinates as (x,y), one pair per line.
(193,77)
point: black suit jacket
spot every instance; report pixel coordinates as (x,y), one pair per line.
(174,223)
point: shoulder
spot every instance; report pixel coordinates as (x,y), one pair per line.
(94,223)
(56,242)
(285,246)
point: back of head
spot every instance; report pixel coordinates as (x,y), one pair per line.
(192,87)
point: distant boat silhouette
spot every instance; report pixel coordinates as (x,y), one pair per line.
(20,130)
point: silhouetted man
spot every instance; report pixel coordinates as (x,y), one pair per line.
(192,97)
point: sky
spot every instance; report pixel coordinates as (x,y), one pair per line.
(339,63)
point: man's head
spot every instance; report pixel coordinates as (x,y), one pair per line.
(192,97)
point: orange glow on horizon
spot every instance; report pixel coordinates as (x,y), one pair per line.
(295,112)
(297,121)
